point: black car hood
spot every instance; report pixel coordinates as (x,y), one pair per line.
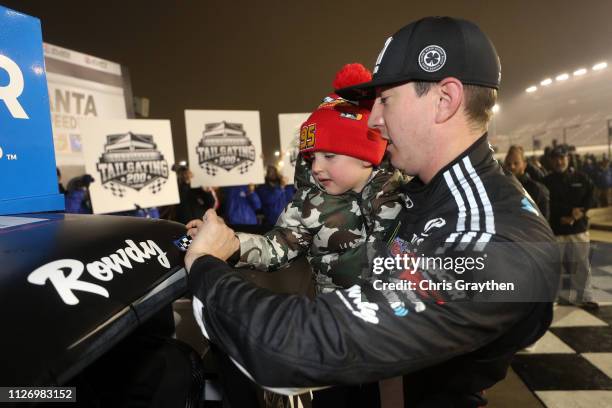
(72,286)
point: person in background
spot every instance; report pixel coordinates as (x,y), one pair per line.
(603,182)
(546,161)
(535,169)
(590,167)
(60,187)
(77,200)
(193,201)
(515,163)
(274,195)
(240,204)
(571,196)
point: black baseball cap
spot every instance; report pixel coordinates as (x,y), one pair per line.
(430,50)
(558,151)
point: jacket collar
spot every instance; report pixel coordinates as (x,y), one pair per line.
(478,157)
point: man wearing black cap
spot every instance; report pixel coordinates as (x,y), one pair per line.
(432,307)
(571,195)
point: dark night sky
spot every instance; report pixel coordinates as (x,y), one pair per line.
(281,56)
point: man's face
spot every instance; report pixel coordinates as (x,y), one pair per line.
(515,163)
(405,119)
(560,163)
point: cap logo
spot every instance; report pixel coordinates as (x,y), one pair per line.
(307,136)
(350,115)
(381,55)
(432,58)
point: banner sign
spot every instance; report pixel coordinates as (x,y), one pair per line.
(224,147)
(27,161)
(80,86)
(289,130)
(131,163)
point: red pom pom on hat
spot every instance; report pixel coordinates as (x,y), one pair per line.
(351,74)
(341,126)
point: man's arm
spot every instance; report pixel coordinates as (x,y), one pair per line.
(350,336)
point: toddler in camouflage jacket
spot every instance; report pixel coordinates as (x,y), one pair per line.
(345,198)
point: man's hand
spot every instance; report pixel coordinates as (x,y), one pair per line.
(565,220)
(577,213)
(192,227)
(210,237)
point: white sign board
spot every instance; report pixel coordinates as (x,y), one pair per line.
(289,130)
(80,86)
(131,162)
(224,147)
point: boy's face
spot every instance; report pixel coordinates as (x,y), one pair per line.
(338,173)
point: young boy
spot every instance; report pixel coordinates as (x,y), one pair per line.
(345,198)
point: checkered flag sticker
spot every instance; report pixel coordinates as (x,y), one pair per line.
(115,188)
(156,185)
(244,168)
(210,169)
(183,242)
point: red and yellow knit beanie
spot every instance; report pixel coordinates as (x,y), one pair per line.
(340,126)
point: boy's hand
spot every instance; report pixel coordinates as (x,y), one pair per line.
(212,237)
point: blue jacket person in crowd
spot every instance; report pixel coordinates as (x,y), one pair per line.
(274,196)
(240,205)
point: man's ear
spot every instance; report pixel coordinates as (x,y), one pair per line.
(450,98)
(366,164)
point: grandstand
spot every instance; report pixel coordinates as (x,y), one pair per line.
(576,110)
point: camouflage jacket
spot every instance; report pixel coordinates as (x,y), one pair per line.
(330,230)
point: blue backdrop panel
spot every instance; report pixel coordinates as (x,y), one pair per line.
(28,178)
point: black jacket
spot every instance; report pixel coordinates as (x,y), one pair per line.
(568,190)
(538,192)
(454,343)
(193,203)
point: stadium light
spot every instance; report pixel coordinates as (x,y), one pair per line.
(580,71)
(600,66)
(531,89)
(277,153)
(546,82)
(562,77)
